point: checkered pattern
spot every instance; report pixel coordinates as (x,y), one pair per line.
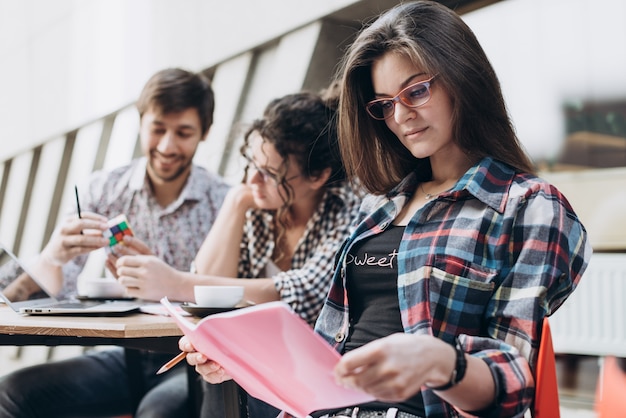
(486,261)
(118,229)
(306,284)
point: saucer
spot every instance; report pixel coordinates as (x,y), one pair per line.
(203,311)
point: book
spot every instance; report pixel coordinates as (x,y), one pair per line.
(274,355)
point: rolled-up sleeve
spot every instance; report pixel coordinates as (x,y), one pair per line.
(548,252)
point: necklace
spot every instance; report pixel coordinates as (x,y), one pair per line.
(429,196)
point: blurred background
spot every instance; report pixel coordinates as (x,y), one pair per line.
(71,70)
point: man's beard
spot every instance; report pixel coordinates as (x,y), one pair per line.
(181,170)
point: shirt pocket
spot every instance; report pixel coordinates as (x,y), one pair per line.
(459,292)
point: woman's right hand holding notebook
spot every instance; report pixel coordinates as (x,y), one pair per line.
(210,371)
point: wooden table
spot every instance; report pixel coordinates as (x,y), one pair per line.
(142,331)
(134,332)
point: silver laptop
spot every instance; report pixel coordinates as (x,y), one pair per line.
(24,294)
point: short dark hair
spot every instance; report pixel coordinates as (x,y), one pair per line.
(175,90)
(436,39)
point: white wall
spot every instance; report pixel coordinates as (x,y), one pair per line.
(551,52)
(548,52)
(68,62)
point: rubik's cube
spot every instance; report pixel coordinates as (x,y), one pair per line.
(118,228)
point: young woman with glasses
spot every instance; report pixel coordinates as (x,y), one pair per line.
(278,231)
(484,248)
(474,249)
(281,227)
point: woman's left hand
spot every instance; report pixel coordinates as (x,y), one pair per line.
(394,368)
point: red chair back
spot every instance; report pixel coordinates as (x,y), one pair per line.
(546,403)
(611,390)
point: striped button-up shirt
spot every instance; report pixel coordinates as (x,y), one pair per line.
(486,260)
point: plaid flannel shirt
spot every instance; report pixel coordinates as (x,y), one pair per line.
(306,284)
(486,260)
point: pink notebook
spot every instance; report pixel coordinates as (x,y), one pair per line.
(274,355)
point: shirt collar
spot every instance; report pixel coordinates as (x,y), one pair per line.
(488,181)
(194,188)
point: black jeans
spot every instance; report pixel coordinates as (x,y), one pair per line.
(213,404)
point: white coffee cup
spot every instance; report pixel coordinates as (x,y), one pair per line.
(101,287)
(218,296)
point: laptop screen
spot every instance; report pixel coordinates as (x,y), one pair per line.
(17,285)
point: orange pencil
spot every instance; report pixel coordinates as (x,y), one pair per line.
(173,362)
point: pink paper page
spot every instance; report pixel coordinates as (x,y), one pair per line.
(275,356)
(204,342)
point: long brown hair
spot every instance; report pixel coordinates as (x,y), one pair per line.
(438,41)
